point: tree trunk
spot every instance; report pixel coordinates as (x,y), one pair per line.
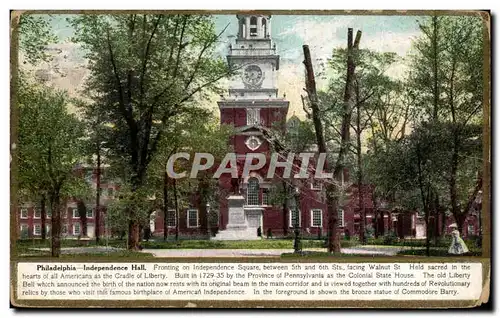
(98,197)
(56,224)
(133,233)
(174,185)
(43,215)
(82,212)
(285,210)
(361,204)
(165,206)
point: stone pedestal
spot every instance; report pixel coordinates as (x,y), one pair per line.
(236,213)
(237,226)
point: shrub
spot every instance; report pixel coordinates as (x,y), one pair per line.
(390,239)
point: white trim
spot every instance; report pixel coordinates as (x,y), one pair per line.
(74,228)
(34,229)
(25,226)
(316,188)
(73,211)
(197,218)
(342,219)
(21,213)
(253,116)
(175,219)
(312,218)
(92,213)
(290,219)
(39,212)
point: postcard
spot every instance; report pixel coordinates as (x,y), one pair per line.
(250,159)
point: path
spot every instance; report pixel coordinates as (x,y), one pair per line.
(376,251)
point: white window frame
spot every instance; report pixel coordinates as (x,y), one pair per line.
(79,228)
(290,224)
(74,213)
(21,213)
(313,187)
(174,218)
(320,220)
(92,213)
(253,116)
(341,220)
(24,225)
(39,212)
(197,218)
(47,229)
(35,226)
(258,192)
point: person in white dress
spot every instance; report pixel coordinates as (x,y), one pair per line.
(458,246)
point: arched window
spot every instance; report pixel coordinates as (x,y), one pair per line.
(253,191)
(253,26)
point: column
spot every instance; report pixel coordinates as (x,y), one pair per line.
(247,25)
(260,29)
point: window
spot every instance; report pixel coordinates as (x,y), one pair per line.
(37,213)
(75,213)
(192,218)
(24,213)
(24,230)
(37,229)
(293,217)
(253,116)
(316,185)
(89,176)
(76,229)
(47,230)
(90,213)
(48,212)
(316,218)
(341,218)
(64,229)
(253,192)
(265,197)
(470,229)
(171,219)
(253,26)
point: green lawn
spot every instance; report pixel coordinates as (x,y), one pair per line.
(187,244)
(436,251)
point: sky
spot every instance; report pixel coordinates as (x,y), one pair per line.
(322,33)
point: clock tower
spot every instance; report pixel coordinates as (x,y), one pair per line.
(252,102)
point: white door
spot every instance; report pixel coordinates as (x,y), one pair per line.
(90,230)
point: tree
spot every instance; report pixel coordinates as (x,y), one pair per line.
(49,148)
(146,69)
(455,92)
(333,194)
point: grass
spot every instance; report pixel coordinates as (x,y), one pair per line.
(314,254)
(26,245)
(437,251)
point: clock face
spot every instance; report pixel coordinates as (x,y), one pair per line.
(252,75)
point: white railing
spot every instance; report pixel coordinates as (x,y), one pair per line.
(252,51)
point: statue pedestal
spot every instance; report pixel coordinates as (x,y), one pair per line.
(237,226)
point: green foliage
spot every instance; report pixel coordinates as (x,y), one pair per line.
(35,35)
(49,142)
